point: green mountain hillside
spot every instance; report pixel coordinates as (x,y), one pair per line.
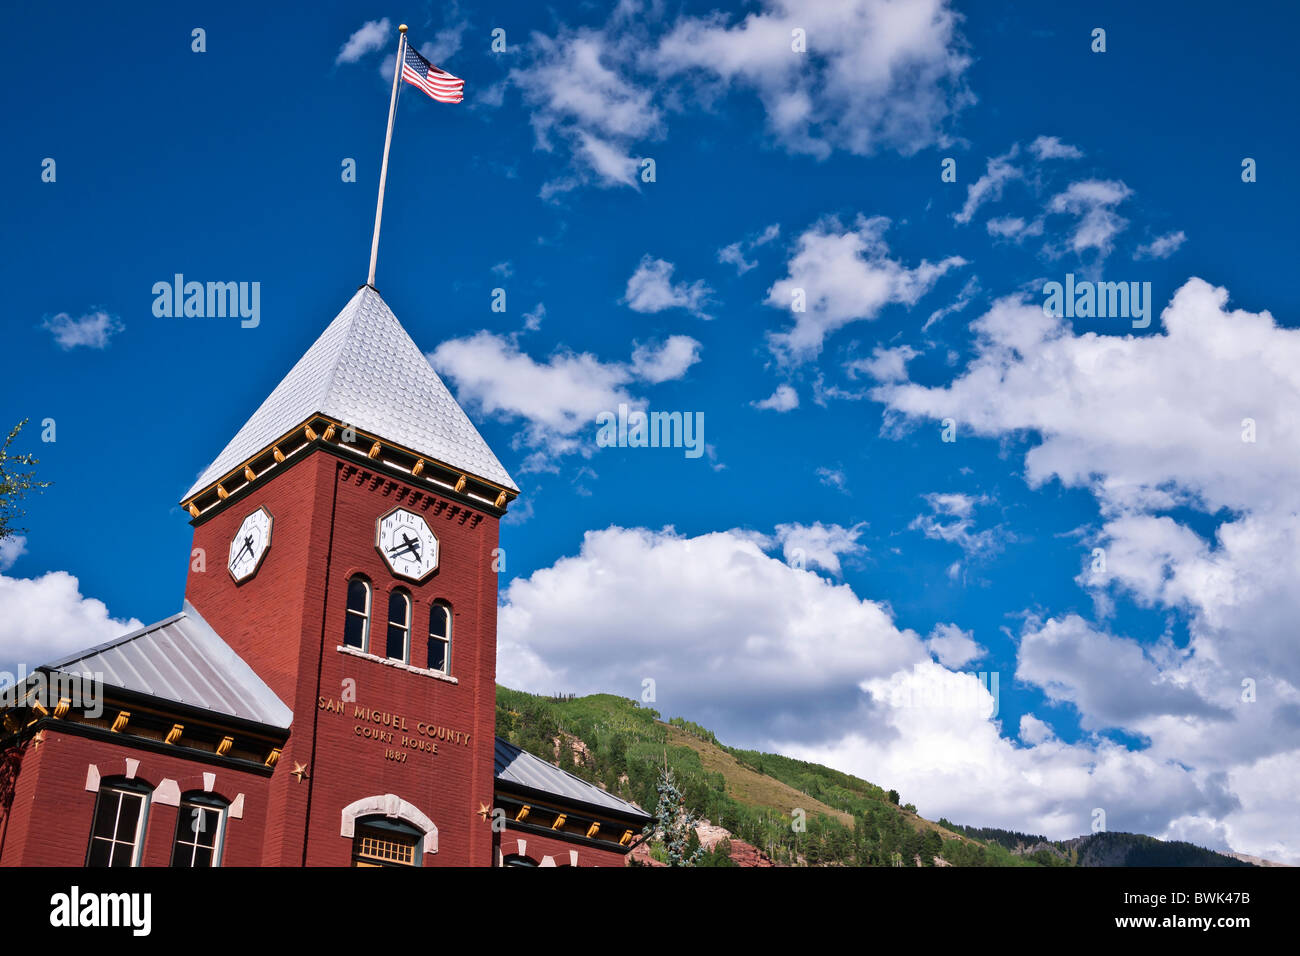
(1106,849)
(795,812)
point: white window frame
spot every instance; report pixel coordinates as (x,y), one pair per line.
(218,845)
(137,849)
(365,618)
(410,611)
(446,657)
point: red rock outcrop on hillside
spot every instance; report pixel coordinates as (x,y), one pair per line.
(740,852)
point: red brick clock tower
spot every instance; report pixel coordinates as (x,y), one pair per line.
(327,694)
(348,535)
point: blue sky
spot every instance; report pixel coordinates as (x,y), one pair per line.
(923,561)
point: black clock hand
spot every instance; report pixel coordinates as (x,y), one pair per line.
(413,544)
(248,546)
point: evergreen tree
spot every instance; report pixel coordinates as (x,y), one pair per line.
(674,823)
(931,846)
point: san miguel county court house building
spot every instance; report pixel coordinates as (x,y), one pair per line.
(327,694)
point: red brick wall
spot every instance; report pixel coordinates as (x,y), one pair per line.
(52,811)
(537,847)
(274,619)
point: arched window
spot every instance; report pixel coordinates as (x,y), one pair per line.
(399,626)
(117,834)
(200,831)
(383,842)
(440,638)
(356,629)
(359,815)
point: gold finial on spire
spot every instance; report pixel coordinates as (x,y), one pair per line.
(402,28)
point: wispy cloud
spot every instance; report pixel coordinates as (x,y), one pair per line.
(1049,147)
(1014,227)
(964,298)
(833,478)
(884,365)
(952,519)
(585,100)
(734,254)
(1093,202)
(877,74)
(11,549)
(1161,247)
(988,188)
(92,330)
(370,36)
(872,75)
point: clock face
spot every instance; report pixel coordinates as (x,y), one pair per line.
(250,545)
(408,546)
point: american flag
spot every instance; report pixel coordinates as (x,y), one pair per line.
(439,84)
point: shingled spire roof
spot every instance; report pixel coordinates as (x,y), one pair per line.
(365,371)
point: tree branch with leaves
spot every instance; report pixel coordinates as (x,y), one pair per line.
(15,484)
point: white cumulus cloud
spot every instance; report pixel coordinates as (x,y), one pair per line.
(47,617)
(651,289)
(784,399)
(818,545)
(843,275)
(783,659)
(666,361)
(556,399)
(952,646)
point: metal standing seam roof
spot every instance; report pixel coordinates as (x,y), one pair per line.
(366,371)
(182,659)
(519,767)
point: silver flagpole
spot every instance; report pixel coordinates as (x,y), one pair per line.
(388,138)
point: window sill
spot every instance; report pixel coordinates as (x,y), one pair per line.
(400,665)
